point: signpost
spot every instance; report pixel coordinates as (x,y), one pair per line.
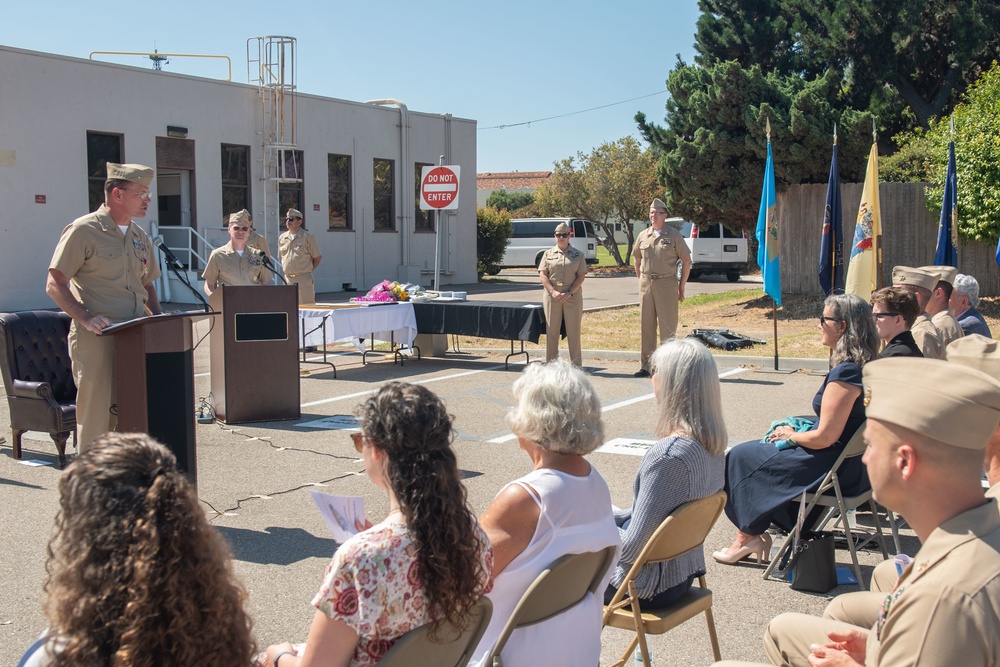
(439,192)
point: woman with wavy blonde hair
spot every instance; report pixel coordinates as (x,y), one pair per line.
(137,575)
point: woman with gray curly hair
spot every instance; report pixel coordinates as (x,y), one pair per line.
(561,507)
(764,476)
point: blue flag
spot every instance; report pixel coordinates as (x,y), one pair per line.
(831,249)
(768,251)
(946,254)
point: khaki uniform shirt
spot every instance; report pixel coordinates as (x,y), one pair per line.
(947,327)
(108,271)
(927,336)
(296,254)
(562,268)
(659,255)
(945,609)
(226,267)
(255,240)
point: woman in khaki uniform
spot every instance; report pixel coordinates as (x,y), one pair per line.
(234,263)
(299,253)
(562,272)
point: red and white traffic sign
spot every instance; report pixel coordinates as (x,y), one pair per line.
(439,188)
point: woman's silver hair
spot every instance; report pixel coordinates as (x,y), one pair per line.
(557,409)
(690,400)
(860,341)
(968,287)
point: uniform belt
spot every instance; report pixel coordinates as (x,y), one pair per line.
(656,276)
(296,275)
(560,284)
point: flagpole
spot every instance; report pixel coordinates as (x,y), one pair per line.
(877,241)
(833,240)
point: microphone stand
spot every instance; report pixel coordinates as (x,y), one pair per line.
(267,265)
(181,277)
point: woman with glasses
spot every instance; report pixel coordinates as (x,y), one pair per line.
(763,477)
(562,271)
(426,562)
(894,311)
(235,263)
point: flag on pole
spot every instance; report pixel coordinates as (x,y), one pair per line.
(863,269)
(831,249)
(768,252)
(946,253)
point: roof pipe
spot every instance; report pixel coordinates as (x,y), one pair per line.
(405,202)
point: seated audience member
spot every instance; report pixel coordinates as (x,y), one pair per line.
(928,422)
(964,300)
(763,477)
(136,574)
(562,507)
(894,310)
(938,306)
(921,284)
(426,562)
(687,463)
(235,263)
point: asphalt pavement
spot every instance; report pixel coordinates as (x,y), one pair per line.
(255,481)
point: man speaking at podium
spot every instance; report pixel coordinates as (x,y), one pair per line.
(101,273)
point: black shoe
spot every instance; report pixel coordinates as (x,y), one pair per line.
(641,373)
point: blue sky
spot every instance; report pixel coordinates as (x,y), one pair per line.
(497,63)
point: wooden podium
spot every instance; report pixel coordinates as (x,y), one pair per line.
(154,374)
(255,368)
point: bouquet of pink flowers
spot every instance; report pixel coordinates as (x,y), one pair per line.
(384,292)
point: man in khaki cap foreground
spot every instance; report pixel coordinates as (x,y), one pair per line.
(299,253)
(657,251)
(101,273)
(928,423)
(921,283)
(942,316)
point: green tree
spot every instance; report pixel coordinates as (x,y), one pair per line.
(923,156)
(509,201)
(614,183)
(493,230)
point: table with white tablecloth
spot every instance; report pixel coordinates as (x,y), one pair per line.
(325,324)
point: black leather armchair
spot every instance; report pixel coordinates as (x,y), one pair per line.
(38,376)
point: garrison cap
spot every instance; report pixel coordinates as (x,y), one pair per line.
(294,213)
(134,173)
(563,228)
(241,216)
(948,402)
(945,273)
(658,203)
(976,351)
(907,275)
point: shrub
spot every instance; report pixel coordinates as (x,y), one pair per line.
(493,232)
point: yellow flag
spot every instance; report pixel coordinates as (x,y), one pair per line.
(866,250)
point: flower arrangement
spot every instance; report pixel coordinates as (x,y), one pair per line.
(385,292)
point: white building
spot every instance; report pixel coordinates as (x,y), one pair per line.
(352,168)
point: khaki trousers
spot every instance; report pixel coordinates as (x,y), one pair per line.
(93,359)
(862,608)
(307,286)
(657,309)
(789,636)
(555,313)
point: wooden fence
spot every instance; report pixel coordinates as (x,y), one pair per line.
(909,235)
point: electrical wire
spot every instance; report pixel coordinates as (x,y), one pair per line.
(571,113)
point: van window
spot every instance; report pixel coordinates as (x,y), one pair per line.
(683,226)
(710,232)
(729,234)
(521,230)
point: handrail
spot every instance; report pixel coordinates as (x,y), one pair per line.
(229,62)
(188,245)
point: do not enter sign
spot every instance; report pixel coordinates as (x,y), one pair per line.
(439,188)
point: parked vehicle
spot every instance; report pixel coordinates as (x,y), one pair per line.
(714,248)
(531,237)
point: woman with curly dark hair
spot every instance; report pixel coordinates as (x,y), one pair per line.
(137,575)
(426,562)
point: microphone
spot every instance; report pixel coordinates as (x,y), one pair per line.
(266,261)
(167,253)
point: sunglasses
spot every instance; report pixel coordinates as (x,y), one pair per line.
(879,316)
(358,438)
(238,228)
(562,236)
(290,219)
(823,319)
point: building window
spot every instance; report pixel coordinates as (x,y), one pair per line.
(423,221)
(235,180)
(338,170)
(383,181)
(102,148)
(290,194)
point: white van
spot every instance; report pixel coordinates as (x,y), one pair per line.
(531,237)
(714,248)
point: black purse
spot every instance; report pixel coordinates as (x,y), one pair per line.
(812,563)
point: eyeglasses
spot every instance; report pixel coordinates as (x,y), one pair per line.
(879,316)
(359,440)
(290,219)
(823,319)
(562,236)
(141,195)
(238,228)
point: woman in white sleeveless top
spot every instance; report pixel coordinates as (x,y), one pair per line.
(562,507)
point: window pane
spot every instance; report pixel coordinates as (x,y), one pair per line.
(382,182)
(339,216)
(234,165)
(339,191)
(101,149)
(95,193)
(423,221)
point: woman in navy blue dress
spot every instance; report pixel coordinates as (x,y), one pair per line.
(762,480)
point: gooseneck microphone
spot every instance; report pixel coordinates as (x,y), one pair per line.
(176,267)
(266,261)
(167,253)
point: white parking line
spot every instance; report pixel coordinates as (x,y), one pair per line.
(427,381)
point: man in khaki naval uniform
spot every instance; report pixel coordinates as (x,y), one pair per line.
(942,316)
(657,251)
(299,253)
(235,263)
(562,272)
(921,284)
(928,423)
(101,273)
